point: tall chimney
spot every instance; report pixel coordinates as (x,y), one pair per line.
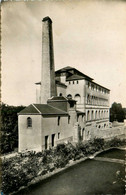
(48,86)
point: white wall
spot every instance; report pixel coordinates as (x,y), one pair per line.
(29,137)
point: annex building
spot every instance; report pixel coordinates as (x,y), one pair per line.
(69,106)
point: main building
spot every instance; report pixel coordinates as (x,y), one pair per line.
(69,106)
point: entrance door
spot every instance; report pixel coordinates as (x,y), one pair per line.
(53,140)
(46,141)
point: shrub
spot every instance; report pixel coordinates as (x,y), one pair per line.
(21,169)
(98,144)
(116,142)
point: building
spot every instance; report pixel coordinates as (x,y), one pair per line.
(69,106)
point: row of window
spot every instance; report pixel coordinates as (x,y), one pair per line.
(77,97)
(102,126)
(73,82)
(96,100)
(95,87)
(29,121)
(94,115)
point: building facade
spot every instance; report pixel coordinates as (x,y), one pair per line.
(69,106)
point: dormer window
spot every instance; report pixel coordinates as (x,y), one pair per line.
(29,122)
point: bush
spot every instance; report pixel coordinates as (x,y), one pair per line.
(98,144)
(21,169)
(116,142)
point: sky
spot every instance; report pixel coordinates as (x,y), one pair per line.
(89,35)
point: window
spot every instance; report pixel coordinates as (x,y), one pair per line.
(77,98)
(69,82)
(92,87)
(73,82)
(95,114)
(58,135)
(99,114)
(29,122)
(88,115)
(102,114)
(60,94)
(69,96)
(88,99)
(92,115)
(68,119)
(77,82)
(58,123)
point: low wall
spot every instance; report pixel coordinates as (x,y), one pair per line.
(91,132)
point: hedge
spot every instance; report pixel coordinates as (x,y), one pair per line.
(19,170)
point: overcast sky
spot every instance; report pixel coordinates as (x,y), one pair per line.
(88,35)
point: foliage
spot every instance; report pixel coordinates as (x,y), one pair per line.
(24,167)
(117,113)
(115,142)
(9,127)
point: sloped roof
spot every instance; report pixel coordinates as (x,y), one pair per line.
(65,69)
(60,83)
(43,109)
(74,77)
(69,68)
(59,98)
(29,110)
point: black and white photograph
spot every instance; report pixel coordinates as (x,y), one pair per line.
(63,97)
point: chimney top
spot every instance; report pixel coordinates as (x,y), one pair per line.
(47,18)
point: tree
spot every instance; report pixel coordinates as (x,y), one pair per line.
(9,127)
(117,112)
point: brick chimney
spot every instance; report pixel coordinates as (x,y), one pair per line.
(48,86)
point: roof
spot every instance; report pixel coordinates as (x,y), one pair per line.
(100,85)
(60,83)
(74,77)
(30,109)
(42,109)
(65,69)
(58,98)
(69,68)
(79,112)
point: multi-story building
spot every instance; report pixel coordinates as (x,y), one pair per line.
(92,98)
(69,106)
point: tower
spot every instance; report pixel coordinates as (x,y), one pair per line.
(48,86)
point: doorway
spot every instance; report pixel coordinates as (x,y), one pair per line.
(46,141)
(53,140)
